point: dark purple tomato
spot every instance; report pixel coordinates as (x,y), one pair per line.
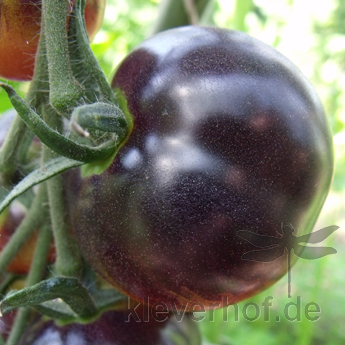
(228,135)
(114,328)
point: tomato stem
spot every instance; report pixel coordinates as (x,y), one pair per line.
(30,223)
(7,281)
(55,140)
(87,68)
(14,150)
(35,275)
(68,257)
(65,91)
(9,149)
(18,326)
(174,13)
(39,262)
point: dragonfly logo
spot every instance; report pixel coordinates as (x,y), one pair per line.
(271,248)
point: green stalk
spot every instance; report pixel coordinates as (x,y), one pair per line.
(54,139)
(174,13)
(65,91)
(87,67)
(39,88)
(15,147)
(39,262)
(242,8)
(68,262)
(35,275)
(9,149)
(38,93)
(7,281)
(68,258)
(30,223)
(18,326)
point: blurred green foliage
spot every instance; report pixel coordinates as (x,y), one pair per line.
(312,34)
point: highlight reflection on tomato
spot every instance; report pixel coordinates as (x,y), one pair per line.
(228,135)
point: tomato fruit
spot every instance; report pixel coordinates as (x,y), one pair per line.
(228,135)
(112,328)
(19,34)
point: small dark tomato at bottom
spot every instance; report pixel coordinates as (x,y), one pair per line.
(116,328)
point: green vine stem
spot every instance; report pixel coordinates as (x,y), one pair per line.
(39,262)
(68,258)
(32,221)
(18,326)
(242,8)
(15,147)
(13,152)
(52,138)
(192,12)
(37,269)
(174,13)
(38,93)
(95,80)
(9,149)
(65,91)
(7,281)
(68,261)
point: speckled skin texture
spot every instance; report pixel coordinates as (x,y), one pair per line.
(112,328)
(228,135)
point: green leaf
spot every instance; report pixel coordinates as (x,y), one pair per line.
(54,140)
(70,290)
(56,309)
(108,299)
(47,171)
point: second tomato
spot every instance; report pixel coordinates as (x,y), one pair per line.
(19,34)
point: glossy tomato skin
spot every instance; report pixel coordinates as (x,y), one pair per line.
(115,328)
(228,135)
(19,34)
